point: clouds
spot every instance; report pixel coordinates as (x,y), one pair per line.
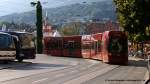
(14,6)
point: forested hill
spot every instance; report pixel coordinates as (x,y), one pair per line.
(80,11)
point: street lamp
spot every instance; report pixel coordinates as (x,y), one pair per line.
(39,33)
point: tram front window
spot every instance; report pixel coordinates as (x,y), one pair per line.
(117,45)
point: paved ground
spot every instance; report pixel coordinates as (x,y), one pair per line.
(61,70)
(12,64)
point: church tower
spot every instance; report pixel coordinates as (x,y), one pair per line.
(47,28)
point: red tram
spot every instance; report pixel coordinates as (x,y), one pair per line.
(115,47)
(110,47)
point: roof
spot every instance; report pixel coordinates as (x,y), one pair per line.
(87,37)
(4,33)
(56,34)
(18,32)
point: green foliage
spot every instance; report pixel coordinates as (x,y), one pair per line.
(139,38)
(134,16)
(147,31)
(74,28)
(39,28)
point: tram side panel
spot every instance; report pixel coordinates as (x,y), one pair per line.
(88,47)
(53,46)
(72,46)
(97,46)
(45,39)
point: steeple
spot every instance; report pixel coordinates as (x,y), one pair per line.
(46,13)
(46,19)
(47,28)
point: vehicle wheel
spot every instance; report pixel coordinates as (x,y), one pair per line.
(20,60)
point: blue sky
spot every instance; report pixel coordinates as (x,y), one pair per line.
(18,6)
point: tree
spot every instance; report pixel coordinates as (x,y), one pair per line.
(147,33)
(133,16)
(73,28)
(39,26)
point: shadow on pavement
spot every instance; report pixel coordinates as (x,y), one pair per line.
(12,64)
(38,66)
(137,63)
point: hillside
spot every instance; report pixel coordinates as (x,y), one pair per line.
(79,11)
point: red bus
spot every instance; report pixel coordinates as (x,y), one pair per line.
(115,47)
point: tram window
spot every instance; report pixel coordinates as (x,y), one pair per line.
(115,45)
(68,44)
(77,45)
(99,45)
(71,44)
(65,44)
(2,45)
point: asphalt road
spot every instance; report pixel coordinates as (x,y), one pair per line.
(61,70)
